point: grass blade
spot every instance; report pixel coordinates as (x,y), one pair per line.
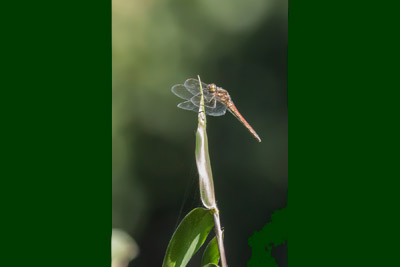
(203,159)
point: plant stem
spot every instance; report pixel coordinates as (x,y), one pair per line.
(205,175)
(218,233)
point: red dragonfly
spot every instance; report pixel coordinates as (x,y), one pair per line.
(216,100)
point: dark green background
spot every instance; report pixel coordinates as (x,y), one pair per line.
(343,134)
(56,134)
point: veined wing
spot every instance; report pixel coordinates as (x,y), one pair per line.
(193,86)
(188,105)
(218,110)
(212,106)
(209,101)
(181,91)
(191,91)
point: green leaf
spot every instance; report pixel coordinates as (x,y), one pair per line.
(206,182)
(210,265)
(211,254)
(188,237)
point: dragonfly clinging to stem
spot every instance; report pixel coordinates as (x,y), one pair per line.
(216,101)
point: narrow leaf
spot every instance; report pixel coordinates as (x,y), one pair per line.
(203,159)
(211,254)
(188,237)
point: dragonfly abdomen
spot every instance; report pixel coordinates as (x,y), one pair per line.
(232,108)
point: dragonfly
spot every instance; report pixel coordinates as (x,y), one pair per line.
(216,101)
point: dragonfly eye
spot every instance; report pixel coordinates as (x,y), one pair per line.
(212,87)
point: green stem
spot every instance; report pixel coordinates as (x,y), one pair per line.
(220,241)
(205,175)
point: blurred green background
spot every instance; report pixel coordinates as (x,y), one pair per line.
(242,47)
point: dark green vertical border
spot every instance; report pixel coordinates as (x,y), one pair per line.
(56,133)
(343,138)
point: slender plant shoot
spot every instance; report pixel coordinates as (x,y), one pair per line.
(203,159)
(205,175)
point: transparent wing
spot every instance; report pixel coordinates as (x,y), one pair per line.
(181,91)
(188,105)
(212,108)
(190,91)
(208,102)
(218,110)
(193,86)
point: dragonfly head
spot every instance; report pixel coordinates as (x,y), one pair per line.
(212,87)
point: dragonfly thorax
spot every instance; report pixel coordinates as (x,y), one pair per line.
(223,96)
